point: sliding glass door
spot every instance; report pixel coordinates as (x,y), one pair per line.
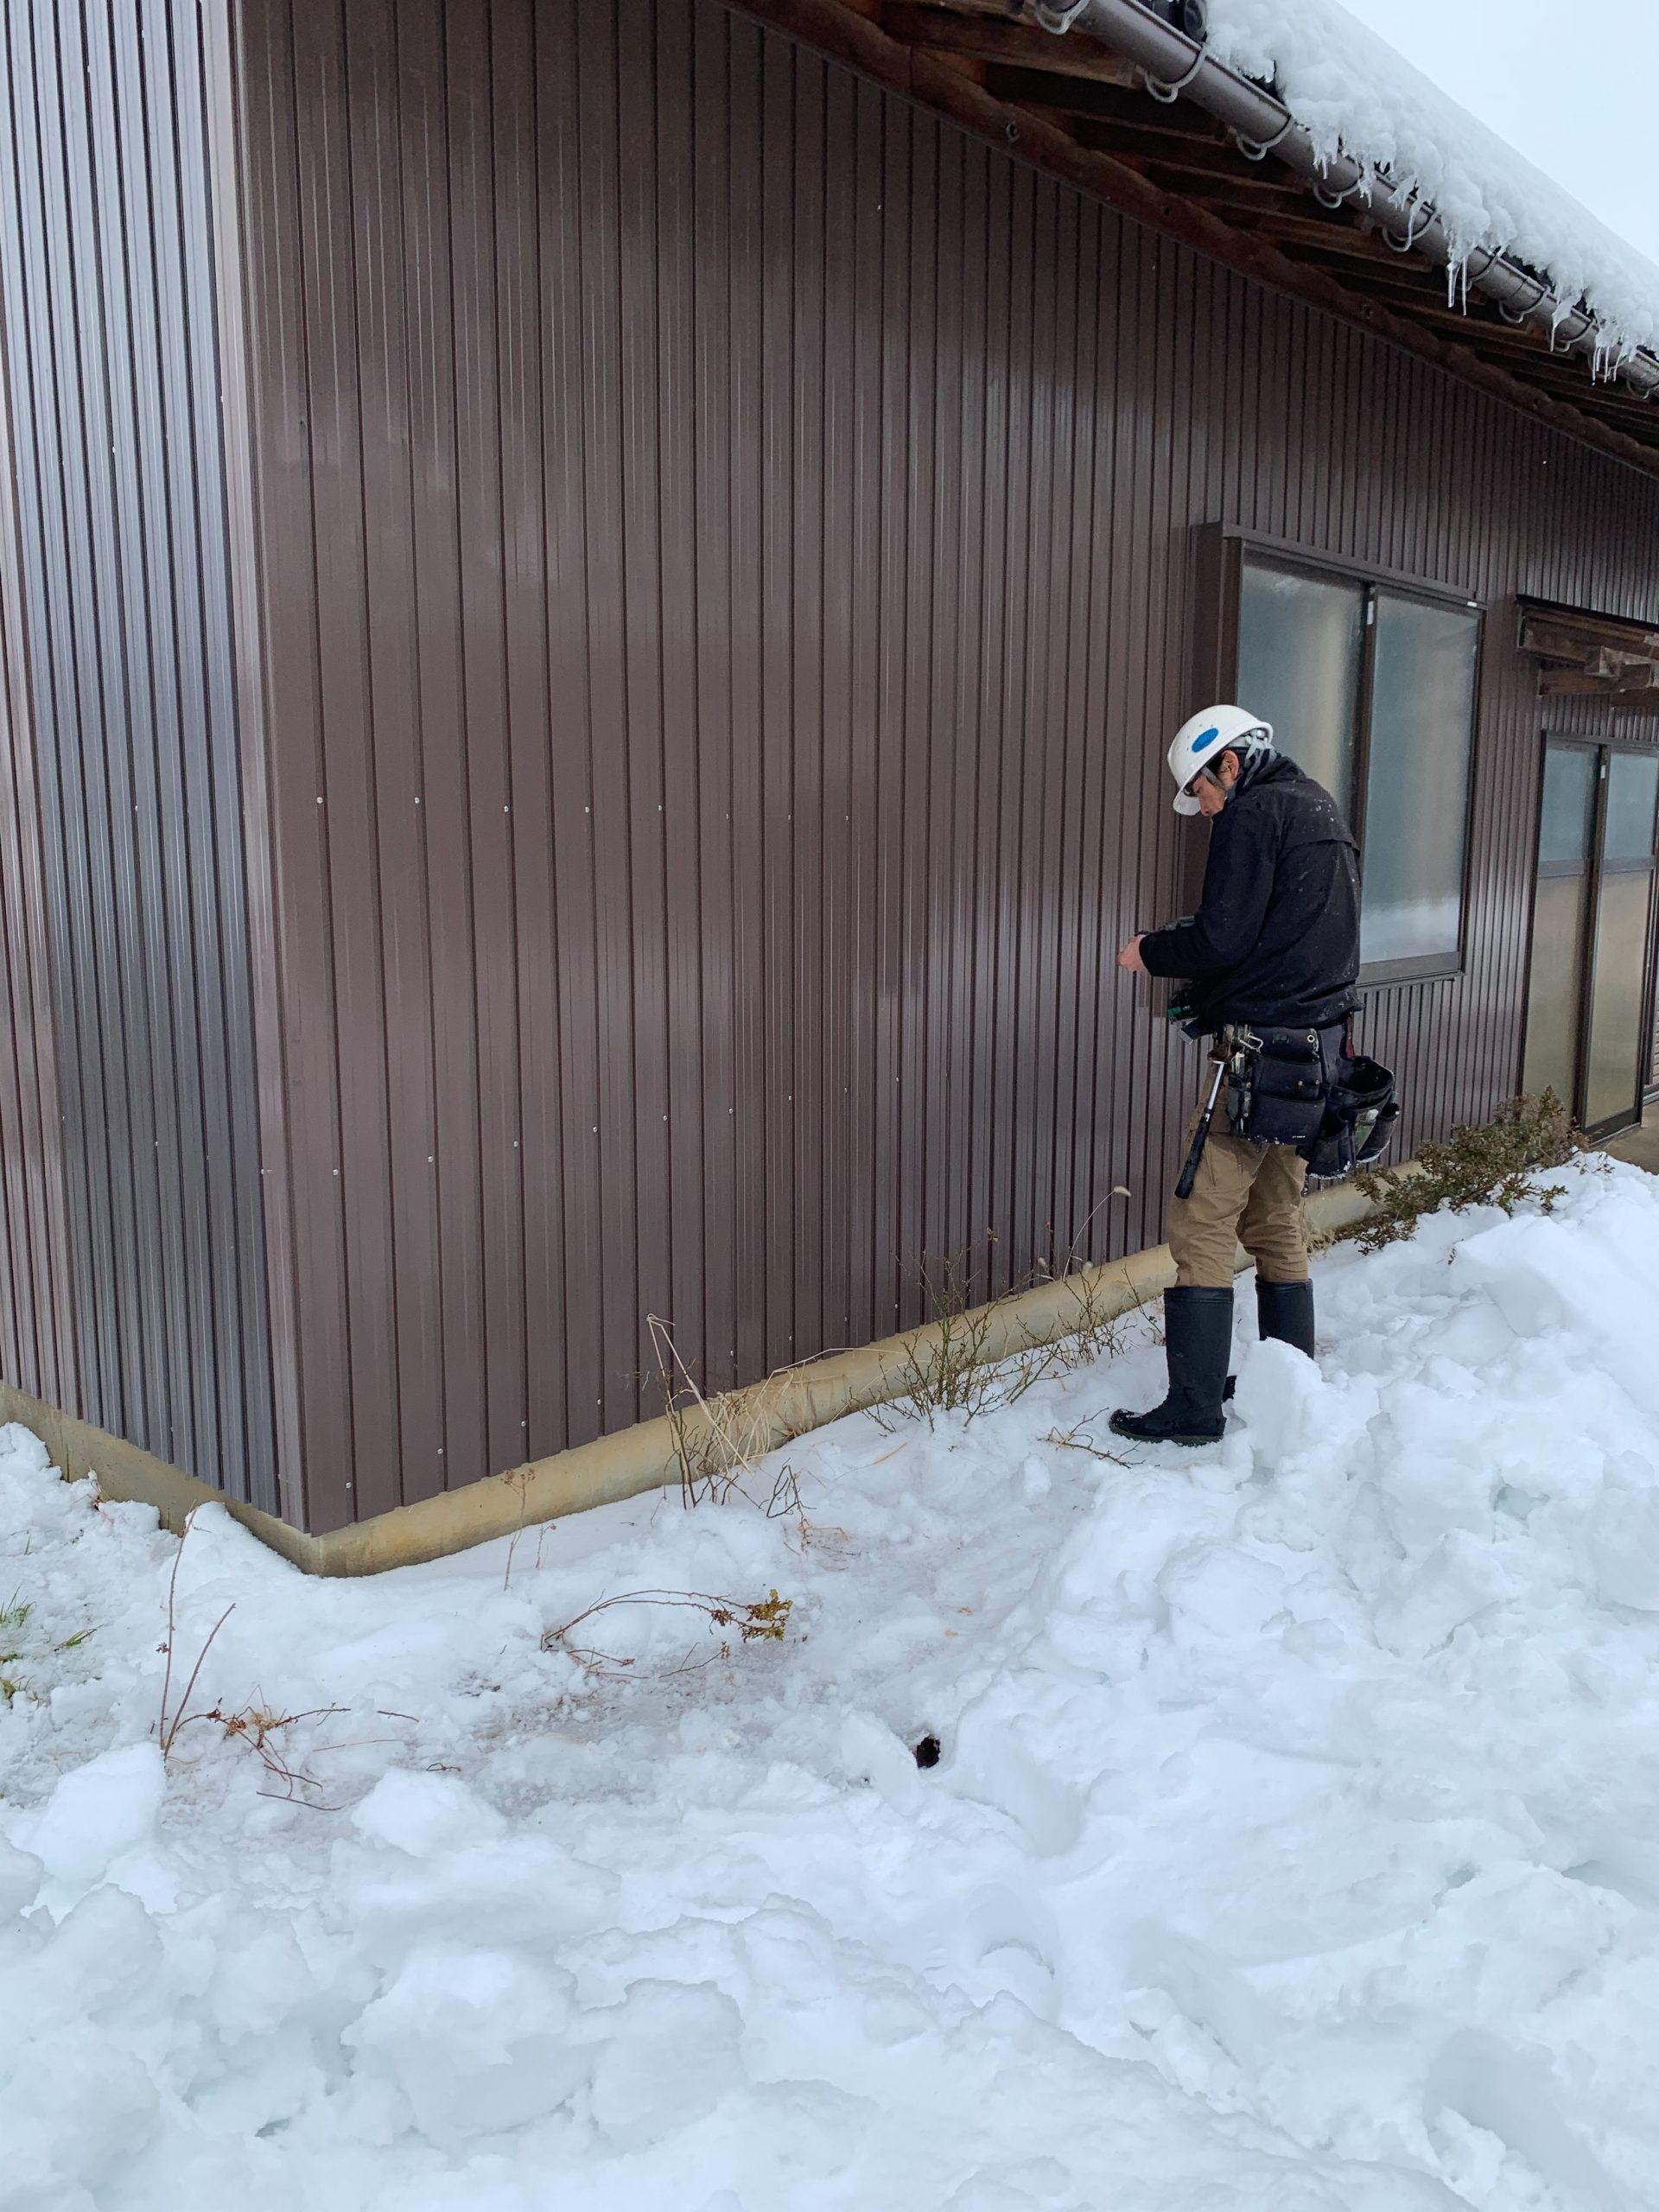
(1587,1028)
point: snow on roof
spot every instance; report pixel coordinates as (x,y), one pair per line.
(1349,89)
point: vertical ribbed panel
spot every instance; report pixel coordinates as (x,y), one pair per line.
(728,551)
(37,1336)
(109,315)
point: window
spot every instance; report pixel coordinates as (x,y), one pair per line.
(1371,690)
(1301,650)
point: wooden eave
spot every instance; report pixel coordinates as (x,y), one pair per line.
(1071,105)
(1591,656)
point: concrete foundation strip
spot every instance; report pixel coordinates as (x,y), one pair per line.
(646,1457)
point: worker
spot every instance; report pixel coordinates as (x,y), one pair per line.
(1269,961)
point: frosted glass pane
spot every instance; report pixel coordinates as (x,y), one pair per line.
(1417,785)
(1632,787)
(1555,995)
(1616,1039)
(1300,641)
(1567,826)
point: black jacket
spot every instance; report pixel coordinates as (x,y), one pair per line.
(1275,940)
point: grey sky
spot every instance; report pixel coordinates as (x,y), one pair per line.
(1570,87)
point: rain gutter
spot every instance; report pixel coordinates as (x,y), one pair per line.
(1175,67)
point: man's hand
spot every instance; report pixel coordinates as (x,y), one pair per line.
(1130,957)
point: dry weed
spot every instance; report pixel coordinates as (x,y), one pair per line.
(765,1620)
(1076,1438)
(718,1441)
(173,1717)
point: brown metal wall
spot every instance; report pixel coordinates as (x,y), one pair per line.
(131,1173)
(727,541)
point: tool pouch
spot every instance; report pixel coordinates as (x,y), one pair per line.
(1360,1113)
(1281,1081)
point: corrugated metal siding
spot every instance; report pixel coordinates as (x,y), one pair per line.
(729,547)
(108,319)
(37,1348)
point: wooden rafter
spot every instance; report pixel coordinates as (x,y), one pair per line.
(1105,100)
(993,38)
(1197,163)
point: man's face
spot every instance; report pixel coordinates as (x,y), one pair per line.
(1212,784)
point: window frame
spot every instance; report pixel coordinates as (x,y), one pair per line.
(1228,550)
(1602,746)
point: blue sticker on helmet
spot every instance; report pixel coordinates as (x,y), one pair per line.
(1203,738)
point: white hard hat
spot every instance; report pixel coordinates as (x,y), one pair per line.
(1199,742)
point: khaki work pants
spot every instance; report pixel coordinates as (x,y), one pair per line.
(1244,1193)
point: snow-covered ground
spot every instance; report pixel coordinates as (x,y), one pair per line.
(1293,1843)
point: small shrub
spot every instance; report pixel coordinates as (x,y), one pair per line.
(946,1367)
(1478,1165)
(1094,1332)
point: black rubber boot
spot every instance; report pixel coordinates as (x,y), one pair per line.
(1198,1338)
(1285,1310)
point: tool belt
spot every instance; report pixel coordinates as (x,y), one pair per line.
(1309,1088)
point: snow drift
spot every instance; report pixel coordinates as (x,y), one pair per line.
(1294,1845)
